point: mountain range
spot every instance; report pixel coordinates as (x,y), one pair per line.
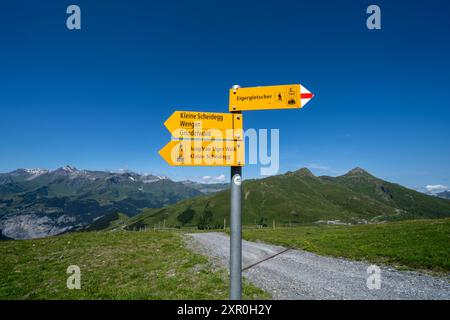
(40,202)
(444,194)
(301,197)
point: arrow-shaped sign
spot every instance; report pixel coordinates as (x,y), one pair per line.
(203,153)
(205,125)
(269,97)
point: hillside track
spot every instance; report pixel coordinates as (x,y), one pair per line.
(301,275)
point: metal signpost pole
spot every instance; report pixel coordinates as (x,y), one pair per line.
(235,235)
(235,231)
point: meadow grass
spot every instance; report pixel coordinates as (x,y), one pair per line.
(420,244)
(114,265)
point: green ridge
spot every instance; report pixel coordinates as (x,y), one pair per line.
(300,197)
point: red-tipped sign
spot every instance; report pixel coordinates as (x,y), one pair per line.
(305,96)
(291,96)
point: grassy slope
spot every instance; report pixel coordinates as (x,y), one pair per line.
(420,244)
(409,202)
(300,197)
(292,197)
(108,222)
(114,265)
(81,196)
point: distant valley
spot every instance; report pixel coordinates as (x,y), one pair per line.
(38,202)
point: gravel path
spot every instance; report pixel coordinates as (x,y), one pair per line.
(297,274)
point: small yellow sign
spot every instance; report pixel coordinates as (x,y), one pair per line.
(270,97)
(205,125)
(203,153)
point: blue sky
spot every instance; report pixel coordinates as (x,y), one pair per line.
(97,98)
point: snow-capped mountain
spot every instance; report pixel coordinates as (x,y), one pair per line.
(28,173)
(40,202)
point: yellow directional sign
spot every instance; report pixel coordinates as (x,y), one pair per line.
(203,153)
(205,125)
(271,97)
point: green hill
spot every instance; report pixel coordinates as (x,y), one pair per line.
(108,222)
(301,197)
(409,203)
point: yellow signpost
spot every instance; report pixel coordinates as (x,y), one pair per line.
(217,139)
(205,125)
(269,97)
(204,153)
